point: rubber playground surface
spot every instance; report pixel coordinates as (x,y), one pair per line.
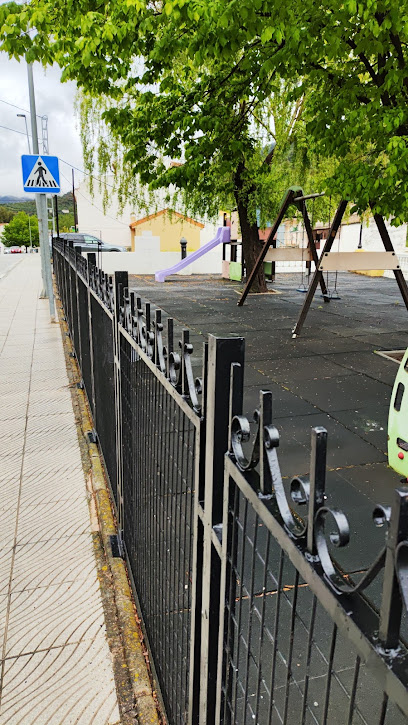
(331,376)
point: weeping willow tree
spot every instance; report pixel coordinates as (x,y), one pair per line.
(164,145)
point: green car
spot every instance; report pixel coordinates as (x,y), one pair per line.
(398,421)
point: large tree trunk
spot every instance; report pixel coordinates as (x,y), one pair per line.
(251,245)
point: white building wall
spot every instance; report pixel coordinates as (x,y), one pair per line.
(111,226)
(371,240)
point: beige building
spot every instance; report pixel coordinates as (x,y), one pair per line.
(169,227)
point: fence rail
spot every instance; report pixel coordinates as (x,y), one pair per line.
(248,616)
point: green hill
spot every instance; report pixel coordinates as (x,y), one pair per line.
(10,205)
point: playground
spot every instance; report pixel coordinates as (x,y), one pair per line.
(331,375)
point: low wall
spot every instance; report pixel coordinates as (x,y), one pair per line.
(143,261)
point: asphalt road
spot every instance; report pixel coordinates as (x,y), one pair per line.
(7,261)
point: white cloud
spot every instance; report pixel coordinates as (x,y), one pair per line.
(55,100)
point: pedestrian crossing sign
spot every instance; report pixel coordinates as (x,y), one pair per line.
(41,174)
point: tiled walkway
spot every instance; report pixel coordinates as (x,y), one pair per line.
(55,661)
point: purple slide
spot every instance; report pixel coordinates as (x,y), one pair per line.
(222,237)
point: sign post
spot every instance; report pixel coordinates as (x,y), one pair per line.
(40,197)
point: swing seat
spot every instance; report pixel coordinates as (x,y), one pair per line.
(288,254)
(358,261)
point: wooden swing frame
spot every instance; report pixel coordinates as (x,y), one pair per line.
(336,261)
(329,261)
(270,253)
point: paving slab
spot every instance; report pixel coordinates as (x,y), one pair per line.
(56,665)
(61,685)
(342,392)
(308,368)
(41,564)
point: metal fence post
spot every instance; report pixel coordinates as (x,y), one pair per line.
(76,322)
(222,352)
(91,263)
(70,246)
(391,603)
(64,279)
(121,282)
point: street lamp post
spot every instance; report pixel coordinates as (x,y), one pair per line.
(29,230)
(22,115)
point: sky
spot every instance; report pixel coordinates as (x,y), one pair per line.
(53,99)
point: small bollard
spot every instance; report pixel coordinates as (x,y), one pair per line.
(183,245)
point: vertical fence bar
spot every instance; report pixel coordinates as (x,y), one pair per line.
(198,543)
(70,246)
(79,351)
(222,352)
(391,605)
(92,401)
(121,282)
(317,481)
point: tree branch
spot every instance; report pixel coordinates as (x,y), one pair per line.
(395,40)
(339,82)
(263,124)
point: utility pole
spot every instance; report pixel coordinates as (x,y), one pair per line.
(41,204)
(75,204)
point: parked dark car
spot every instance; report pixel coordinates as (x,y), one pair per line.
(90,243)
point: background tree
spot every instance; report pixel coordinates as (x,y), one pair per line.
(65,210)
(5,214)
(17,232)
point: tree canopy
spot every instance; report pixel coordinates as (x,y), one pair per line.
(212,84)
(17,232)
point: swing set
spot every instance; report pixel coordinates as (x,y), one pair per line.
(329,261)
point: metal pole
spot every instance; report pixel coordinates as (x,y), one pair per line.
(22,115)
(360,240)
(29,230)
(56,213)
(41,203)
(75,205)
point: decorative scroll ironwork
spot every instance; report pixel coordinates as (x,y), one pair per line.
(81,265)
(102,284)
(322,526)
(148,333)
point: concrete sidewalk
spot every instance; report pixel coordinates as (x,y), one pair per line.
(56,665)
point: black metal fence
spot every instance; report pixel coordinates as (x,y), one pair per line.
(248,616)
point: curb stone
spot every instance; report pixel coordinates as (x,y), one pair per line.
(136,696)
